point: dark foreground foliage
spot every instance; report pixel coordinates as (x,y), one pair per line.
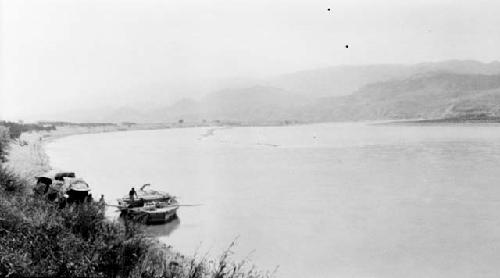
(39,239)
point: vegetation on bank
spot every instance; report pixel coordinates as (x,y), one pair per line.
(15,129)
(39,239)
(472,118)
(4,143)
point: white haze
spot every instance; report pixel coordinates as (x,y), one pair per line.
(61,55)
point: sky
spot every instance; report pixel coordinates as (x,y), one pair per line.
(61,55)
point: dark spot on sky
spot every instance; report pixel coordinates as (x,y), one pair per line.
(346,46)
(328,9)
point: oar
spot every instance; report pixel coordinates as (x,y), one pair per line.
(116,206)
(178,205)
(185,205)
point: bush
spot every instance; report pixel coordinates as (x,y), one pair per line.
(4,143)
(10,182)
(38,239)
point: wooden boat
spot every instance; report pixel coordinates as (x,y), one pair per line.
(150,206)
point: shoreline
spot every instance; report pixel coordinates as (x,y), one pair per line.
(439,123)
(27,155)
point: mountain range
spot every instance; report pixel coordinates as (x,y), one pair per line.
(342,93)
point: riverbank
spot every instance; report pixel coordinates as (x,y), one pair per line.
(466,119)
(27,155)
(38,239)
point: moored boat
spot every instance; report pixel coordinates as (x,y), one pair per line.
(150,206)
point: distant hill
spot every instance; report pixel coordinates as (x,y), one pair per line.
(258,104)
(344,80)
(341,93)
(425,91)
(424,96)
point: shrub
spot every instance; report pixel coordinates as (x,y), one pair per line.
(38,239)
(11,182)
(4,143)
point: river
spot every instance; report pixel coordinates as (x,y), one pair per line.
(321,200)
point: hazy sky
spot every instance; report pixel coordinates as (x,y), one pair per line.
(67,54)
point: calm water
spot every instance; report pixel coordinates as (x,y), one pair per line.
(326,200)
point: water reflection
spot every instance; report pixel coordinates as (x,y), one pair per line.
(152,229)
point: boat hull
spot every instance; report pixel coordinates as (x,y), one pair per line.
(150,216)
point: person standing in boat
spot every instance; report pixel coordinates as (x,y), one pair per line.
(132,194)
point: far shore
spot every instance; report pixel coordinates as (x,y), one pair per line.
(64,131)
(442,122)
(75,129)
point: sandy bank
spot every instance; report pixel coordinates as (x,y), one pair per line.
(27,155)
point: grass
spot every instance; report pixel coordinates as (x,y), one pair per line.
(38,239)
